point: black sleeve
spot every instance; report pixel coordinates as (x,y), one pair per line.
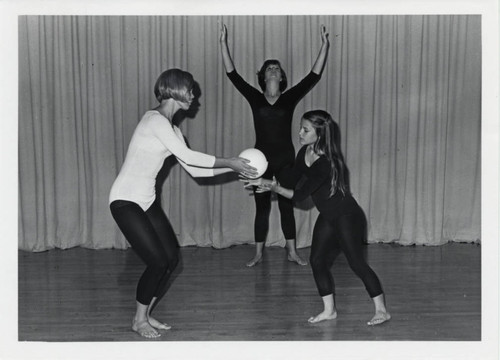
(303,87)
(247,90)
(317,175)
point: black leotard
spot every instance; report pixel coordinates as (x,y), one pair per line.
(316,182)
(273,122)
(273,130)
(340,227)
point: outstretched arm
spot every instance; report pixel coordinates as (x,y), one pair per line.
(323,52)
(221,166)
(226,56)
(196,163)
(237,164)
(320,172)
(280,190)
(264,185)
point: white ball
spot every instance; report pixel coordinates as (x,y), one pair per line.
(257,160)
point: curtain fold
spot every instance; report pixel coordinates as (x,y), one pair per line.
(405,90)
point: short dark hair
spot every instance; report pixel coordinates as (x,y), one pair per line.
(173,84)
(261,75)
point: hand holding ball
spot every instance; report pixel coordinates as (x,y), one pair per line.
(257,160)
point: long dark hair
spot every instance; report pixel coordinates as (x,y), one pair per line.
(328,143)
(262,73)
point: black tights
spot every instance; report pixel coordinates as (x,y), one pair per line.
(345,234)
(263,208)
(153,239)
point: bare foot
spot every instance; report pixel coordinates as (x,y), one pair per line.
(323,316)
(379,318)
(144,329)
(158,325)
(257,259)
(296,259)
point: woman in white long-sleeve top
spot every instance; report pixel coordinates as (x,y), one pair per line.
(133,199)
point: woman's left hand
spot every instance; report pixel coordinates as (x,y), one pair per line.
(241,166)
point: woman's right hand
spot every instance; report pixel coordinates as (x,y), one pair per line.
(261,184)
(249,183)
(226,56)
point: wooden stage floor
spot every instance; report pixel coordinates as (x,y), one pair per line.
(433,293)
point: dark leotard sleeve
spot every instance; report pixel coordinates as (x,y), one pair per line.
(303,87)
(247,90)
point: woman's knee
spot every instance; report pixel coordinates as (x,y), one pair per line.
(166,261)
(262,202)
(173,261)
(317,261)
(359,267)
(263,208)
(160,263)
(285,204)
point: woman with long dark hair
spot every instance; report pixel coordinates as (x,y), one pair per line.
(133,200)
(272,111)
(320,172)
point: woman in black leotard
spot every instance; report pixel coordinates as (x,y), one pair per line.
(272,112)
(320,172)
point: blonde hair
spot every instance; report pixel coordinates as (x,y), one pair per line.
(173,84)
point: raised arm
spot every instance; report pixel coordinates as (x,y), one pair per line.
(323,52)
(226,56)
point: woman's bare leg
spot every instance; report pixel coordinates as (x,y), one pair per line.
(329,311)
(381,314)
(259,247)
(140,323)
(153,322)
(292,253)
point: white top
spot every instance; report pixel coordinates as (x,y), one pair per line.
(155,139)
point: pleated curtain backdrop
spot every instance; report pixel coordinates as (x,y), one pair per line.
(405,90)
